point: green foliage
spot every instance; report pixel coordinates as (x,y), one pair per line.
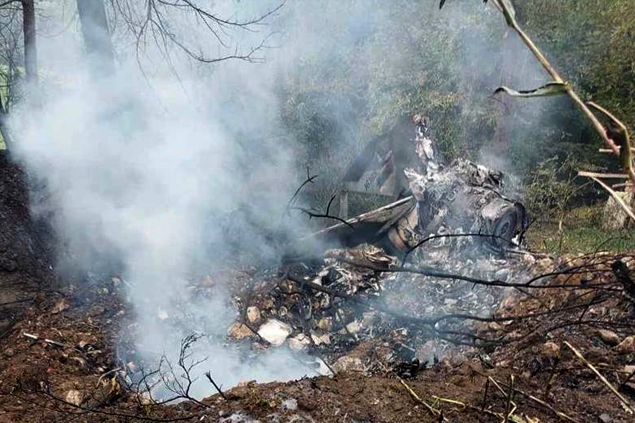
(581,238)
(582,233)
(416,59)
(410,59)
(553,186)
(591,42)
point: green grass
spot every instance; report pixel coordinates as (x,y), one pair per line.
(582,232)
(581,240)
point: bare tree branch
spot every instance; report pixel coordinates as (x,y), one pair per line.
(156,20)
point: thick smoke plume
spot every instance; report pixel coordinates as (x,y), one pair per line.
(144,166)
(142,171)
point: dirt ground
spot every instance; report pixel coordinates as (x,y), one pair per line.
(40,380)
(59,362)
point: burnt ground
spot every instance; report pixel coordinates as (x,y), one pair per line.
(58,355)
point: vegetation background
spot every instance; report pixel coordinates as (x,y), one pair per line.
(448,67)
(446,64)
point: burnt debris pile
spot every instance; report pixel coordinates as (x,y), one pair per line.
(435,200)
(400,273)
(360,301)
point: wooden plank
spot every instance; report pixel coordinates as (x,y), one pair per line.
(608,150)
(603,175)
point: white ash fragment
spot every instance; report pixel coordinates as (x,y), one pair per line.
(321,368)
(238,418)
(326,324)
(353,327)
(253,314)
(430,351)
(245,383)
(290,404)
(275,332)
(321,339)
(163,315)
(450,302)
(348,364)
(325,302)
(502,275)
(75,397)
(299,342)
(368,318)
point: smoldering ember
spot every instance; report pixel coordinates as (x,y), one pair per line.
(333,211)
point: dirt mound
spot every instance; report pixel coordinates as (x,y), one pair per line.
(25,246)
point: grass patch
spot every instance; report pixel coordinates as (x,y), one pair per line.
(581,233)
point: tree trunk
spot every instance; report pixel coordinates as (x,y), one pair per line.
(92,16)
(30,45)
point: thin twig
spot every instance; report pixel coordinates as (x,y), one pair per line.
(209,377)
(578,354)
(552,377)
(602,175)
(309,180)
(325,215)
(544,404)
(510,396)
(48,341)
(607,150)
(471,407)
(609,143)
(485,395)
(419,400)
(125,416)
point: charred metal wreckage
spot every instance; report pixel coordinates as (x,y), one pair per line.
(459,198)
(353,301)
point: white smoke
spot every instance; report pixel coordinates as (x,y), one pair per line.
(141,169)
(141,166)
